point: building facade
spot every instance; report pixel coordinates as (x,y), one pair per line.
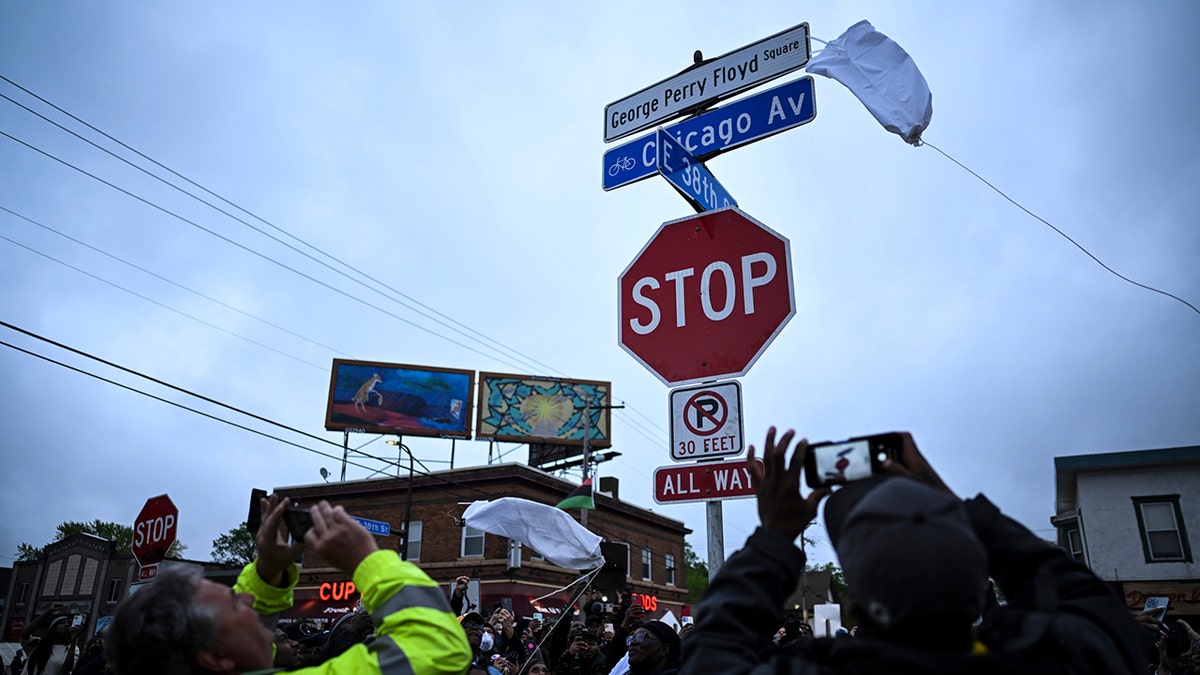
(647,547)
(83,573)
(1134,519)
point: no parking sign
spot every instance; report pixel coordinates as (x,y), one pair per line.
(706,421)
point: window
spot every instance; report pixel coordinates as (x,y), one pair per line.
(415,528)
(71,575)
(23,593)
(646,555)
(87,582)
(1074,541)
(1160,521)
(472,542)
(53,571)
(114,591)
(670,565)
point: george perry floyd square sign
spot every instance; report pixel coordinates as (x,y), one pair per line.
(708,82)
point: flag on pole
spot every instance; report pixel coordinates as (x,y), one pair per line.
(581,498)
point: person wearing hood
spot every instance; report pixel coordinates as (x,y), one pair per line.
(917,561)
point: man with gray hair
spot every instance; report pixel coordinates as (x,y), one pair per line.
(183,624)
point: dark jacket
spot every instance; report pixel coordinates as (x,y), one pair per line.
(1060,618)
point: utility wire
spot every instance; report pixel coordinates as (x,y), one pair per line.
(170,402)
(206,399)
(1060,232)
(165,279)
(227,240)
(260,219)
(246,248)
(164,306)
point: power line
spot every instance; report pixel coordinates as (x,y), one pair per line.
(164,306)
(260,219)
(641,430)
(206,399)
(165,279)
(1060,232)
(244,247)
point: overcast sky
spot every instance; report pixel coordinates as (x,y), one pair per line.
(455,156)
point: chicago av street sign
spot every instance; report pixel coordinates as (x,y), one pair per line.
(710,481)
(689,177)
(744,121)
(708,82)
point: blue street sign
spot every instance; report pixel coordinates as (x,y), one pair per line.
(374,526)
(691,178)
(751,119)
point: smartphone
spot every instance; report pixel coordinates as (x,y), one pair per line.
(1159,603)
(77,621)
(834,463)
(298,521)
(608,628)
(506,603)
(254,517)
(537,616)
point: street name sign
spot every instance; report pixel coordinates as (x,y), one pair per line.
(739,123)
(708,481)
(705,296)
(690,177)
(706,421)
(708,82)
(374,526)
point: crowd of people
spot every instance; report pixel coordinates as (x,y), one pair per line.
(937,584)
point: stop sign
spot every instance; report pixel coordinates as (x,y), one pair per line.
(705,296)
(154,530)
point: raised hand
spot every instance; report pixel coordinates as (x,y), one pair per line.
(780,505)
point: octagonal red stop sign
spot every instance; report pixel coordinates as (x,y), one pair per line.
(705,296)
(154,530)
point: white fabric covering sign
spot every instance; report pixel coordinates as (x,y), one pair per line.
(882,75)
(550,531)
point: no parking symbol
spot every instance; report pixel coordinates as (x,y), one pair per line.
(706,421)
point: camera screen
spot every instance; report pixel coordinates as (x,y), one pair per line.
(842,462)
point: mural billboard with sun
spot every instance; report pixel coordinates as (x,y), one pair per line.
(536,410)
(391,398)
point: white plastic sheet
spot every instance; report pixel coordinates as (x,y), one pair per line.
(882,75)
(550,531)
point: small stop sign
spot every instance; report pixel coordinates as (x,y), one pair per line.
(154,530)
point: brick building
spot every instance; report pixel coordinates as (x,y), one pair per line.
(651,545)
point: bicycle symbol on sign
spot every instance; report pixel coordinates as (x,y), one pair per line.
(622,164)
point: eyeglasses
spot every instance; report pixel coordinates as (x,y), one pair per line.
(639,636)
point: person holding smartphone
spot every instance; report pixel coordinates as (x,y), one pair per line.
(184,623)
(52,652)
(917,560)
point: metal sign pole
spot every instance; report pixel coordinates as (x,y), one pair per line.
(716,537)
(345,451)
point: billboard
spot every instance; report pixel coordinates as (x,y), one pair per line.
(538,410)
(392,398)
